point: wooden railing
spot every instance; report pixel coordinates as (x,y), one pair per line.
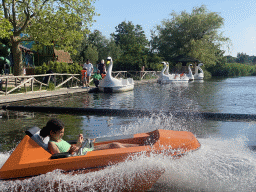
(8,84)
(140,74)
(143,74)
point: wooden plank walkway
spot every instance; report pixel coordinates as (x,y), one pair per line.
(39,94)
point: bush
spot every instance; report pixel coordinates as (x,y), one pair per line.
(51,86)
(58,67)
(232,69)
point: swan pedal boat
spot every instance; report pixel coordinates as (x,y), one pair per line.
(165,77)
(113,85)
(30,158)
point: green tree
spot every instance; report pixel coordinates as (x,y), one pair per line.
(254,60)
(230,59)
(47,22)
(242,58)
(5,27)
(113,50)
(90,53)
(133,43)
(103,47)
(192,34)
(100,42)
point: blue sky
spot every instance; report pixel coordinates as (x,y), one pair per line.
(239,16)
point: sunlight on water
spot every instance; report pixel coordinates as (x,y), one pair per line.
(219,165)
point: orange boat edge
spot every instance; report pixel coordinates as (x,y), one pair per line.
(30,159)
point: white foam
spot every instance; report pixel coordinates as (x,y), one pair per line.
(220,165)
(3,158)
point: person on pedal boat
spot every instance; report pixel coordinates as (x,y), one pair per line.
(55,130)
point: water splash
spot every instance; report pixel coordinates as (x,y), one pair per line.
(220,165)
(3,158)
(147,124)
(115,178)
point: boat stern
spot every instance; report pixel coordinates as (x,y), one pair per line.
(179,142)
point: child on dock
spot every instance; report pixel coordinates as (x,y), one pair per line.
(83,77)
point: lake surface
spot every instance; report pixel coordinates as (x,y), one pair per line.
(225,162)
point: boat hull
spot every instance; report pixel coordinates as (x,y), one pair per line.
(199,77)
(116,89)
(29,159)
(160,81)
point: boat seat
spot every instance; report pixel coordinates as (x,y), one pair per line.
(34,133)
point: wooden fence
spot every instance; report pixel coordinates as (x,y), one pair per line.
(139,74)
(8,84)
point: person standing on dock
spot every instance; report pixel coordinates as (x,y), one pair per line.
(102,67)
(89,68)
(83,77)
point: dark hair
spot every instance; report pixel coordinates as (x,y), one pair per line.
(52,125)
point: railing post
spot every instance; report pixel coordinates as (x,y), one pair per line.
(55,80)
(49,80)
(72,80)
(6,86)
(32,84)
(25,86)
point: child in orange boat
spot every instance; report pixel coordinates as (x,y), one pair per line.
(55,130)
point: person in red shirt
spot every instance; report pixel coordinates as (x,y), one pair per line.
(83,77)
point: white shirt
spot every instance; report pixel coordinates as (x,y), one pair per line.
(89,68)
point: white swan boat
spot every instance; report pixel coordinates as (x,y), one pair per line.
(113,85)
(199,76)
(190,74)
(165,77)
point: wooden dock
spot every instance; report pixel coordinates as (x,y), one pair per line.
(4,99)
(39,94)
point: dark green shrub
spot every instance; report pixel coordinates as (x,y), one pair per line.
(58,67)
(51,86)
(232,69)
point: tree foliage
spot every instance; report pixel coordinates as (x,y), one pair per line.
(5,27)
(91,53)
(47,22)
(241,58)
(192,34)
(133,43)
(96,47)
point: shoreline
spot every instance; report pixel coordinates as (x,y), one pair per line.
(5,99)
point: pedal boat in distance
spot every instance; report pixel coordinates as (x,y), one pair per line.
(30,159)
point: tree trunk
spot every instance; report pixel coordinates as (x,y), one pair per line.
(17,57)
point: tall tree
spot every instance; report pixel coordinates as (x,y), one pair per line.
(47,22)
(100,42)
(192,34)
(242,58)
(90,53)
(113,50)
(133,43)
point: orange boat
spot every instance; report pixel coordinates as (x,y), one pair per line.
(31,158)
